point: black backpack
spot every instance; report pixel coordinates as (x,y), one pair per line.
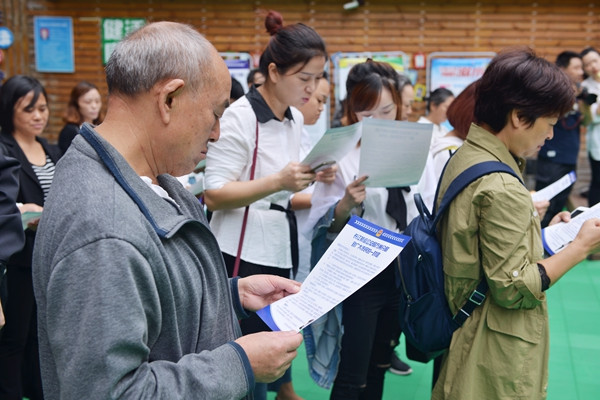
(425,315)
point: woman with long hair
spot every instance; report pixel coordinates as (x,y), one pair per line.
(85,105)
(370,316)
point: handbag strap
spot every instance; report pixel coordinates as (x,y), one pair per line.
(236,265)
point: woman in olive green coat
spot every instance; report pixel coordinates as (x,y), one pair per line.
(492,231)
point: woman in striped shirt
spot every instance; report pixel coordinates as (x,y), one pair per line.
(23,117)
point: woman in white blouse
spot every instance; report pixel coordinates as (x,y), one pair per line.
(437,105)
(255,166)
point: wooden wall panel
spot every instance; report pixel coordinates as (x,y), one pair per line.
(238,25)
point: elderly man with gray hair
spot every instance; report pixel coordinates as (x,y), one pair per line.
(132,292)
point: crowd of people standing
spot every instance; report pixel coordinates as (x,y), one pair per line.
(120,286)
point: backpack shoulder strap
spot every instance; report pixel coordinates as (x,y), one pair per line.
(466,177)
(456,186)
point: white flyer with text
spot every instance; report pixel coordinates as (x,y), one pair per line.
(550,191)
(360,252)
(558,236)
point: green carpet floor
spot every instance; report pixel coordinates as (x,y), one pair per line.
(574,304)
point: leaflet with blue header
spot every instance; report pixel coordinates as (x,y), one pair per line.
(359,253)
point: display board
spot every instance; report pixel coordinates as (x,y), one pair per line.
(455,70)
(53,43)
(114,30)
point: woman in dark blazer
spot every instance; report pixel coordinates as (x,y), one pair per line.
(23,117)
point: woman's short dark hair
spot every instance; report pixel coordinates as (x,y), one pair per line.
(73,113)
(290,45)
(564,58)
(14,89)
(237,90)
(588,50)
(438,96)
(250,77)
(364,84)
(517,79)
(460,111)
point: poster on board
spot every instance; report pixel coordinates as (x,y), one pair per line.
(53,44)
(455,71)
(114,30)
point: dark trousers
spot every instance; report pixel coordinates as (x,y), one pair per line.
(253,323)
(19,356)
(548,172)
(371,324)
(594,194)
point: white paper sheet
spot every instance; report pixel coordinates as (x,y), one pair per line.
(334,145)
(393,153)
(558,236)
(552,190)
(360,252)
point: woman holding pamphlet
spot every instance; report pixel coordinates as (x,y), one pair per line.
(23,117)
(491,231)
(254,168)
(370,315)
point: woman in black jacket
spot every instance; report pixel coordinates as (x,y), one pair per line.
(23,117)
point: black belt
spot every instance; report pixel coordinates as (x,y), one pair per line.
(291,218)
